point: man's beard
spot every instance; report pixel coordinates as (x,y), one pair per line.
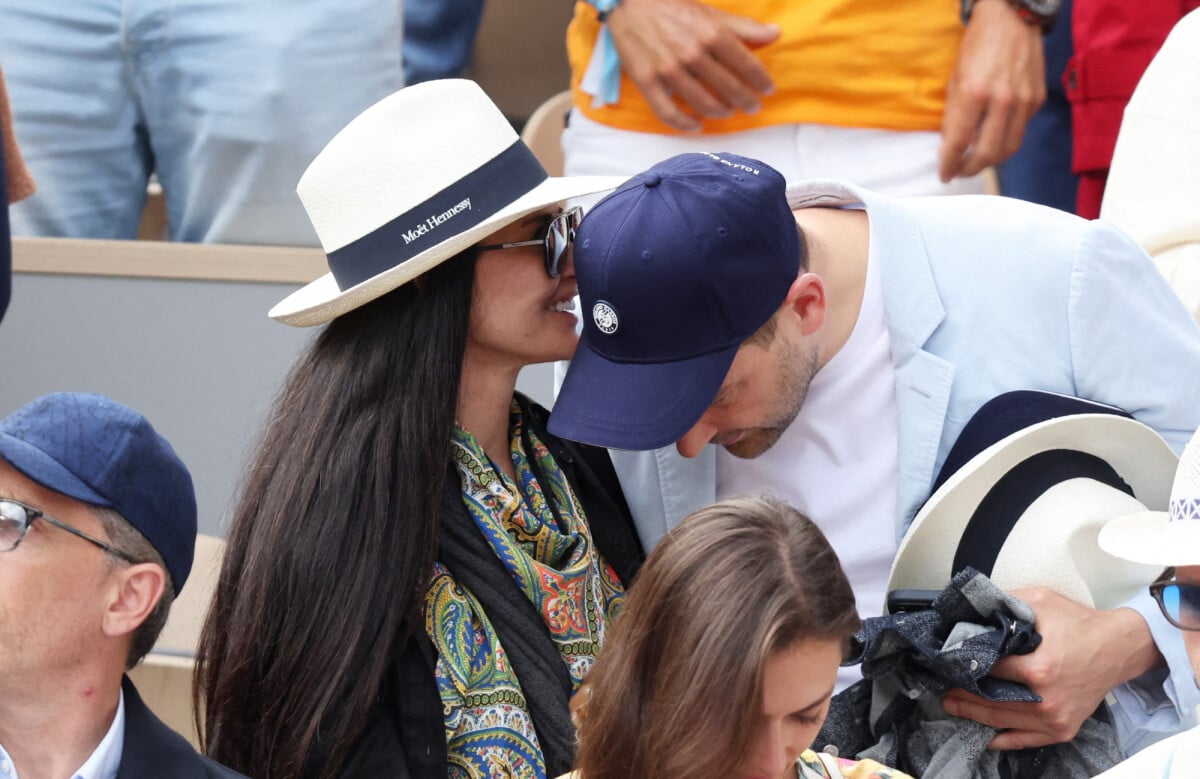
(796,371)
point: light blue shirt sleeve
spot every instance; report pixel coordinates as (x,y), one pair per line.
(1157,379)
(1161,702)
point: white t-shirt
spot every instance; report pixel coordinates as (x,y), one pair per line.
(104,760)
(837,462)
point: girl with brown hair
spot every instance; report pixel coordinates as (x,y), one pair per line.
(723,660)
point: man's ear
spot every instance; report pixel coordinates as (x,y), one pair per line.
(135,592)
(806,300)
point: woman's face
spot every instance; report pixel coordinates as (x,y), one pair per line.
(797,684)
(520,315)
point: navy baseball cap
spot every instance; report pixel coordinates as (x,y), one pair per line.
(676,268)
(95,450)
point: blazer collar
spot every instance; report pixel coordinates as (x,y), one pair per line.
(151,748)
(897,242)
(914,310)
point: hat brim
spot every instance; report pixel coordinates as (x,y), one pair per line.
(638,406)
(46,471)
(322,300)
(1150,537)
(1136,452)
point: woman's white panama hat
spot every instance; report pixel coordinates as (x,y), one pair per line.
(1163,538)
(411,182)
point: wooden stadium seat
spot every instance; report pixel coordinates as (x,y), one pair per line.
(543,132)
(164,677)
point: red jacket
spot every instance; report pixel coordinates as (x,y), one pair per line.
(1114,41)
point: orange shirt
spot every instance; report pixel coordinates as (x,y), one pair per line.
(855,63)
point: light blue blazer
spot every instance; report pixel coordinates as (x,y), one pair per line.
(984,295)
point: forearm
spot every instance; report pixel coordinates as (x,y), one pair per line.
(1133,648)
(1162,700)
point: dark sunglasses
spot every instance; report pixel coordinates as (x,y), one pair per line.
(15,519)
(1179,601)
(560,233)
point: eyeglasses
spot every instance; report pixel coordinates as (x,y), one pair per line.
(560,234)
(1179,601)
(15,519)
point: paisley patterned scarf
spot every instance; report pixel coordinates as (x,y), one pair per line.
(539,531)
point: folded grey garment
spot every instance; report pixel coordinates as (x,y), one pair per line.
(948,747)
(894,715)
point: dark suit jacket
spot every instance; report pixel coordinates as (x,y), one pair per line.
(5,237)
(154,751)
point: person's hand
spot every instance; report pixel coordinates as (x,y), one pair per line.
(998,83)
(1084,653)
(690,60)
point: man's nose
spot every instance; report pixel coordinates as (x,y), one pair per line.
(695,439)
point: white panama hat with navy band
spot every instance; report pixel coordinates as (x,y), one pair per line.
(1028,509)
(1163,538)
(411,182)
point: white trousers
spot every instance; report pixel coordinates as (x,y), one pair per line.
(890,162)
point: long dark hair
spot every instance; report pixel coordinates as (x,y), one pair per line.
(333,538)
(677,690)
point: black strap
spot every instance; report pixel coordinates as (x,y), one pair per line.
(5,239)
(535,659)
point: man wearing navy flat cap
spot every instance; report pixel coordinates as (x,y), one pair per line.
(97,531)
(833,342)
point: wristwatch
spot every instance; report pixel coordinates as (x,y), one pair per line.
(1042,13)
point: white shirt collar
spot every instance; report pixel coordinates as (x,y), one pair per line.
(104,760)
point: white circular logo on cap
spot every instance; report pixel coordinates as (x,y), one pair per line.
(605,317)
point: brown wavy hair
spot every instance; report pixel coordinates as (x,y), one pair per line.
(677,691)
